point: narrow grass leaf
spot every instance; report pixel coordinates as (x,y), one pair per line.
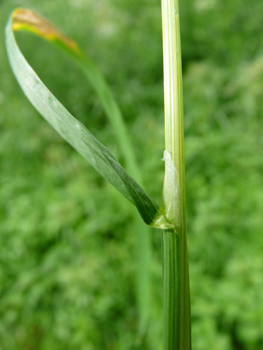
(27,20)
(69,127)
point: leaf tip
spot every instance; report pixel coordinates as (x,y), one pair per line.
(25,19)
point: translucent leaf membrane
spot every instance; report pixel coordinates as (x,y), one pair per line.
(74,132)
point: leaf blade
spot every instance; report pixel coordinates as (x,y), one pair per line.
(69,127)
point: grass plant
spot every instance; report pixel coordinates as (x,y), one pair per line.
(67,237)
(170,217)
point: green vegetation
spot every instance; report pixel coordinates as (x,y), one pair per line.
(68,251)
(176,292)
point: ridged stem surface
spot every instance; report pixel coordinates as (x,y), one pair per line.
(177,316)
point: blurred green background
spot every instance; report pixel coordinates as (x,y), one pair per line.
(67,239)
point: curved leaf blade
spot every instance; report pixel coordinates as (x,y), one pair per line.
(69,127)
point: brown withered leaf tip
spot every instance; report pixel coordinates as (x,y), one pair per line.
(24,17)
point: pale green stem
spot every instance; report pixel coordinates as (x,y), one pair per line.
(177,317)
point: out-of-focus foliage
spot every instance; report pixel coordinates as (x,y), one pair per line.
(67,240)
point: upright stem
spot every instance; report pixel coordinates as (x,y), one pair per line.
(177,317)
